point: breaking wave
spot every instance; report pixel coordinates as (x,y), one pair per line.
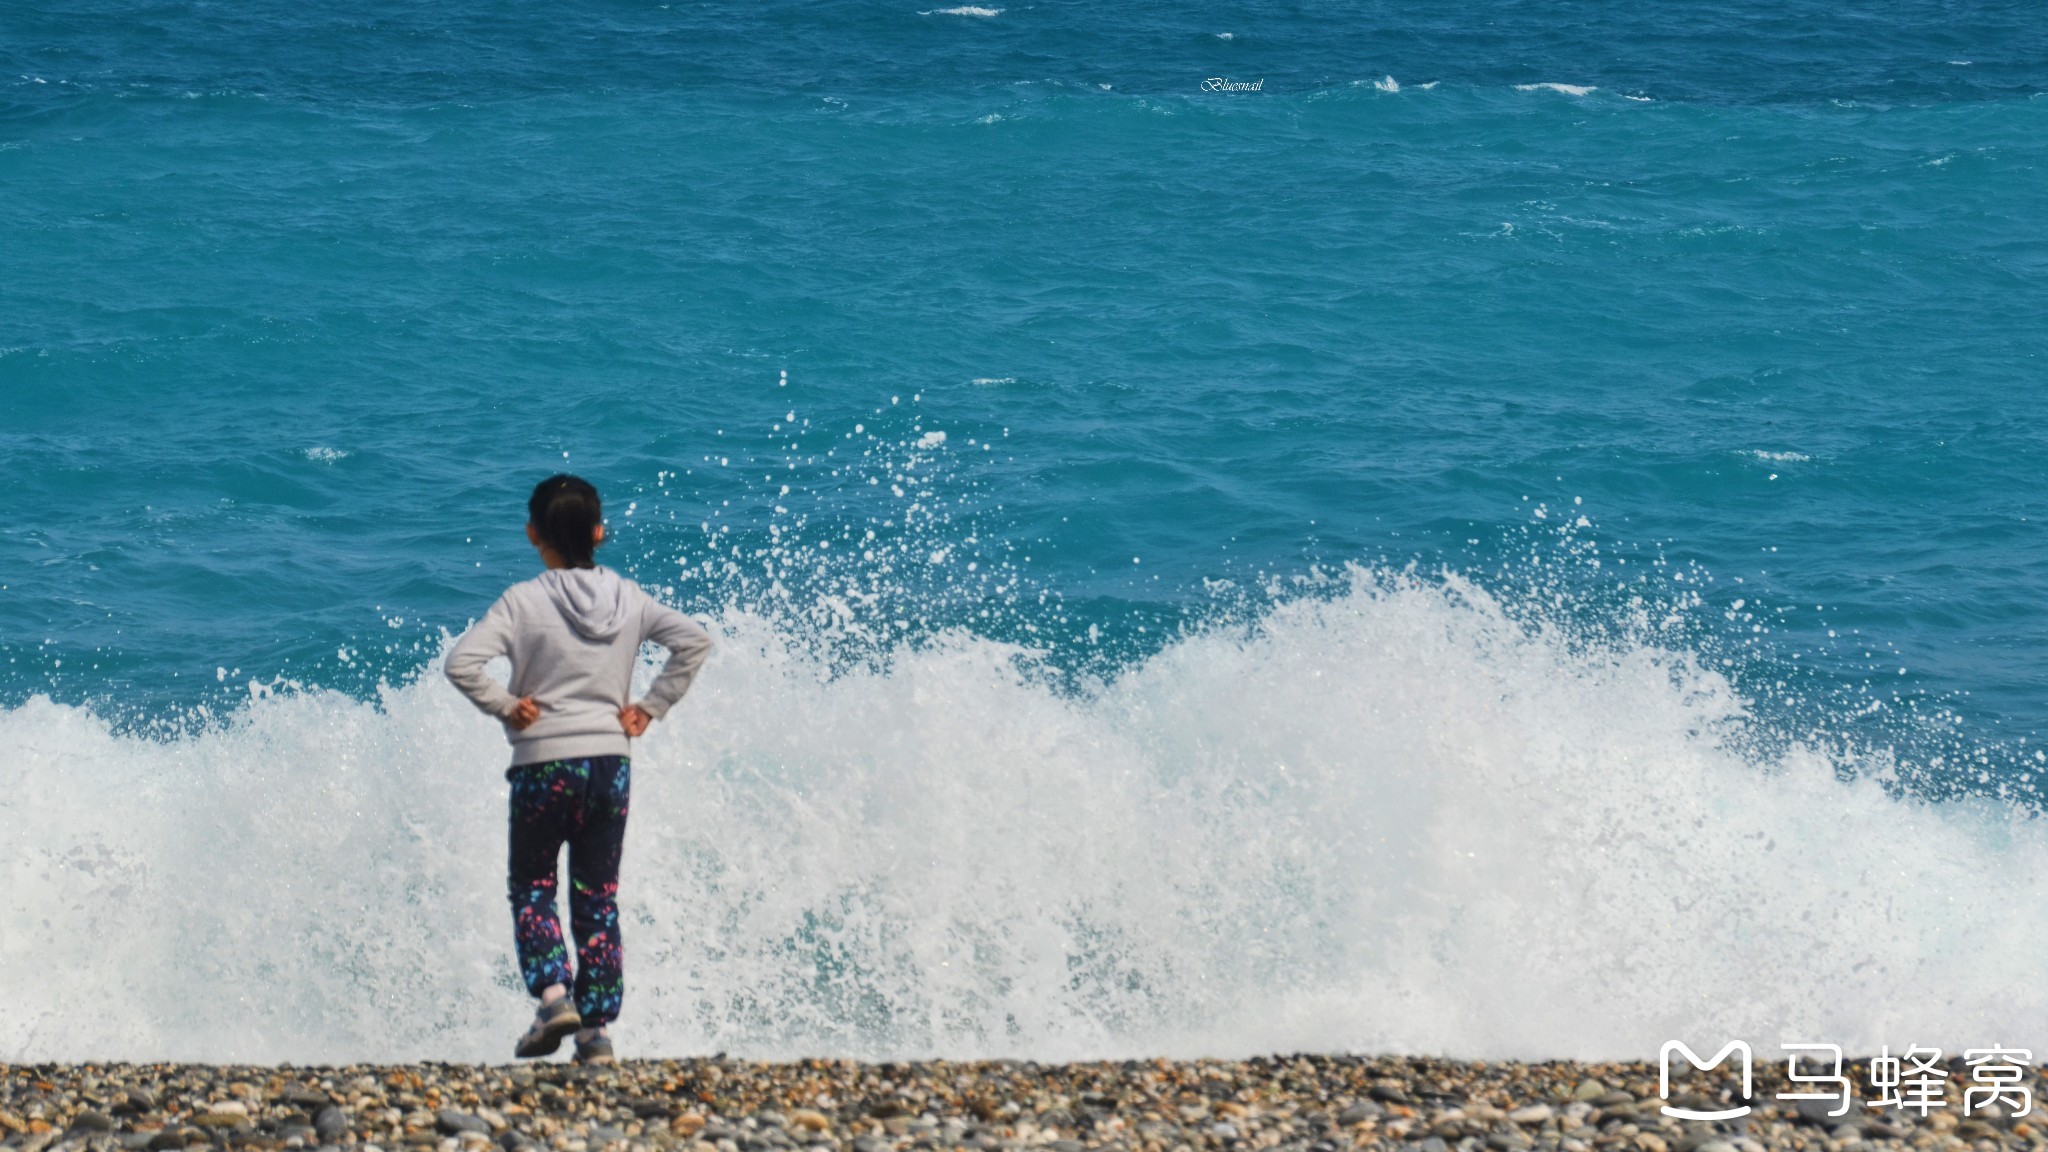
(1403,814)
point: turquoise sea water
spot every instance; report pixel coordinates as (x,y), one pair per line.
(1701,350)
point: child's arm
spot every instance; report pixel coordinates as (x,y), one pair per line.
(687,643)
(487,638)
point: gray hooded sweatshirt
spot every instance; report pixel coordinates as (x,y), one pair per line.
(573,635)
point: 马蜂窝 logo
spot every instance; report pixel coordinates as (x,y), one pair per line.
(1916,1081)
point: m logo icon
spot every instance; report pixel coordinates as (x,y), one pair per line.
(1693,1058)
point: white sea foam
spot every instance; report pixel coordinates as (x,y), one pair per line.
(986,381)
(324,455)
(964,10)
(1780,457)
(1567,89)
(1389,84)
(1392,818)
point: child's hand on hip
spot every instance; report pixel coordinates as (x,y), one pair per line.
(634,720)
(523,714)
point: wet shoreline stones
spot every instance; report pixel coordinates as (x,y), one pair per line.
(1283,1104)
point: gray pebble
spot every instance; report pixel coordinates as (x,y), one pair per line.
(454,1123)
(1820,1113)
(330,1124)
(138,1100)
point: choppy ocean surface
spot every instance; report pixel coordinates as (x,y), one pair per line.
(1496,529)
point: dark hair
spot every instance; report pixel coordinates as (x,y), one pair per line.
(565,511)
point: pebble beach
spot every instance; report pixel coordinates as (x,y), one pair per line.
(1291,1104)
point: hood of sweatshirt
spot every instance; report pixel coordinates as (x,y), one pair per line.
(592,600)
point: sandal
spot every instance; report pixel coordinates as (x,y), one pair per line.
(596,1050)
(550,1025)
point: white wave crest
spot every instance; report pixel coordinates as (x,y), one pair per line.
(1394,819)
(1780,457)
(1567,89)
(964,10)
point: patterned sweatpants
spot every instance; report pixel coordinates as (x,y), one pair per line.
(581,803)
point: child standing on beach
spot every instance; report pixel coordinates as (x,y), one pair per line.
(572,634)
